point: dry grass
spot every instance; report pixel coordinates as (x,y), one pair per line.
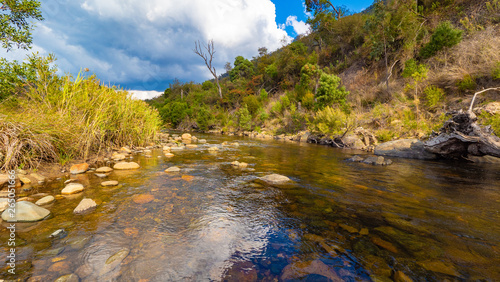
(476,56)
(21,145)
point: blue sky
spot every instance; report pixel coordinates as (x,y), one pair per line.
(142,45)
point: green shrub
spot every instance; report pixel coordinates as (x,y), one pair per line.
(252,103)
(276,108)
(493,120)
(330,91)
(204,118)
(285,102)
(496,72)
(434,95)
(308,101)
(244,118)
(207,85)
(467,83)
(444,36)
(263,116)
(332,121)
(174,112)
(263,95)
(385,135)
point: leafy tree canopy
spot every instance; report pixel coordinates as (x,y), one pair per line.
(14,22)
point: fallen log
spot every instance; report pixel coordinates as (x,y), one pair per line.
(461,136)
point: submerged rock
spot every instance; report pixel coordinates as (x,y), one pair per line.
(25,212)
(126,165)
(68,278)
(114,261)
(45,200)
(109,183)
(72,188)
(59,234)
(377,161)
(173,169)
(85,205)
(297,270)
(275,179)
(404,148)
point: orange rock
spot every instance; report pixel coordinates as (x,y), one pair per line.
(131,231)
(62,266)
(188,178)
(384,244)
(143,199)
(79,168)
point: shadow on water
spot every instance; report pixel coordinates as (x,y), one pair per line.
(339,221)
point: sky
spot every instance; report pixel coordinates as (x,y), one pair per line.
(143,45)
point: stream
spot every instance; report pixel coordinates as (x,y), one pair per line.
(212,221)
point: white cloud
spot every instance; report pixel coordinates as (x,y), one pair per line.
(299,27)
(144,95)
(145,44)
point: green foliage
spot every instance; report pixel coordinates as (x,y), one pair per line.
(434,95)
(308,101)
(385,135)
(174,112)
(244,118)
(331,120)
(15,25)
(263,116)
(272,70)
(496,72)
(330,92)
(492,120)
(207,85)
(243,68)
(263,95)
(276,108)
(467,83)
(444,36)
(285,102)
(252,103)
(204,118)
(75,116)
(15,76)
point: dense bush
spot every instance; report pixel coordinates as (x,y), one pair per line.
(174,112)
(330,92)
(434,95)
(244,118)
(444,36)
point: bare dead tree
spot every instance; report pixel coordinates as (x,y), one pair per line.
(208,57)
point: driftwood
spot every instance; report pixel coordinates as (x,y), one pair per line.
(462,136)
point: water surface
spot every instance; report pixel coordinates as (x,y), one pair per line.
(212,222)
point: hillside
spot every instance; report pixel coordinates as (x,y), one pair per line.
(395,71)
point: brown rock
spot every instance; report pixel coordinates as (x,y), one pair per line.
(85,205)
(61,267)
(126,165)
(104,169)
(143,198)
(79,168)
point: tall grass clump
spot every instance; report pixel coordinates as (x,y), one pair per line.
(77,116)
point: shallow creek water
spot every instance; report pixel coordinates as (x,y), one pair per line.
(338,221)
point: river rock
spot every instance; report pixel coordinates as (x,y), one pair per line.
(166,148)
(177,148)
(118,157)
(191,146)
(143,198)
(114,261)
(356,159)
(126,150)
(377,161)
(299,269)
(79,168)
(404,148)
(104,169)
(85,205)
(202,141)
(4,203)
(353,142)
(25,212)
(101,175)
(109,183)
(275,179)
(68,278)
(169,155)
(24,179)
(38,177)
(213,149)
(399,276)
(186,136)
(173,169)
(72,188)
(45,200)
(126,165)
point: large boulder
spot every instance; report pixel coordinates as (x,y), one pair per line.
(25,212)
(126,165)
(353,142)
(79,168)
(404,148)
